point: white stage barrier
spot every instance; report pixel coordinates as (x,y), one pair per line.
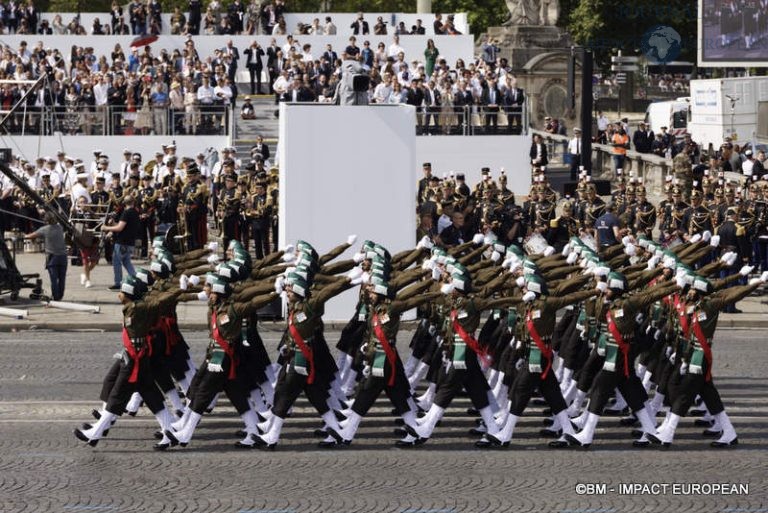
(347,170)
(342,20)
(451,47)
(469,154)
(82,146)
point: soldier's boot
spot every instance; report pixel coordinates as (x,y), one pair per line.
(92,435)
(425,400)
(133,404)
(342,364)
(578,399)
(584,437)
(729,437)
(502,395)
(665,435)
(618,407)
(345,435)
(559,368)
(655,404)
(263,426)
(418,374)
(250,420)
(495,408)
(579,421)
(640,370)
(424,429)
(177,425)
(714,430)
(647,422)
(185,435)
(563,422)
(647,383)
(269,439)
(502,437)
(164,418)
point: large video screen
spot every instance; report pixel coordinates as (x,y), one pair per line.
(733,33)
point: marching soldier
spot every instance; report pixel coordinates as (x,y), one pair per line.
(229,210)
(147,201)
(194,205)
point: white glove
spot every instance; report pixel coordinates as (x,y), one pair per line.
(436,273)
(289,257)
(706,235)
(626,240)
(643,243)
(529,296)
(726,256)
(515,266)
(289,248)
(428,265)
(279,284)
(447,288)
(365,278)
(732,259)
(549,251)
(602,270)
(424,243)
(745,270)
(354,273)
(202,296)
(696,238)
(194,280)
(714,241)
(764,276)
(653,262)
(755,281)
(680,280)
(489,239)
(630,250)
(572,257)
(183,282)
(602,286)
(495,256)
(670,263)
(358,257)
(214,258)
(506,263)
(520,282)
(566,250)
(213,246)
(683,369)
(351,239)
(478,238)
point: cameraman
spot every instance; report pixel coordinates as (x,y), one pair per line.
(55,254)
(354,84)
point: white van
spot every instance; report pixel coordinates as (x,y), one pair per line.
(671,114)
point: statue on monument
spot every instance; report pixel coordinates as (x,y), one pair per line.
(532,12)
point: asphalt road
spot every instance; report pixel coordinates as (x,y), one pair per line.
(50,381)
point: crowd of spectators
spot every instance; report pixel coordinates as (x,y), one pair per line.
(257,17)
(146,91)
(131,91)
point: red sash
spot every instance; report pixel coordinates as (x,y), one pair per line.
(165,324)
(226,346)
(304,347)
(623,346)
(546,351)
(682,317)
(699,334)
(388,349)
(135,356)
(485,359)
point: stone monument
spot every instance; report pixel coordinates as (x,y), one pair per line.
(537,53)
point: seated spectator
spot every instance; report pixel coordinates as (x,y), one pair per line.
(246,111)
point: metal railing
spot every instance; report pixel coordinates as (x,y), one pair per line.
(117,120)
(472,120)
